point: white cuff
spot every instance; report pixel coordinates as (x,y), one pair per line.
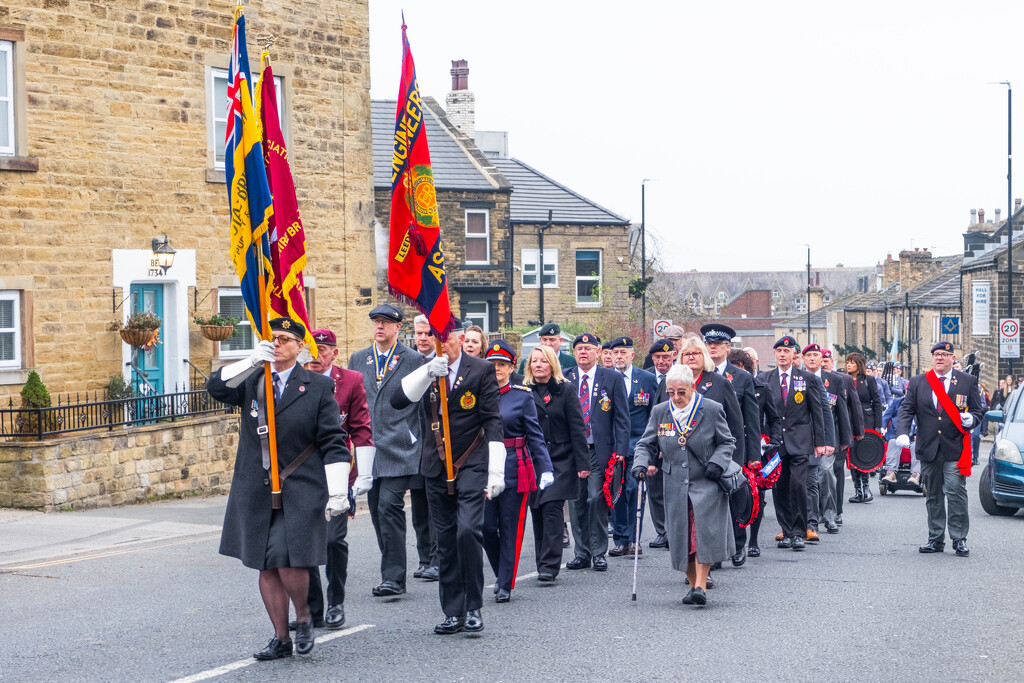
(415,384)
(364,460)
(496,457)
(237,372)
(337,478)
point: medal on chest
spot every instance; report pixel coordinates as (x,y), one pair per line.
(684,423)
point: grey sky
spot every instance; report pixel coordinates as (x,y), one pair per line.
(860,128)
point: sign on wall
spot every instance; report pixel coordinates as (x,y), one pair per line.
(659,327)
(980,298)
(1009,338)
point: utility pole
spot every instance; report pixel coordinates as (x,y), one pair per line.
(643,252)
(540,266)
(808,294)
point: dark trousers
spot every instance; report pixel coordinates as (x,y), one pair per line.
(337,569)
(458,526)
(945,486)
(656,501)
(386,501)
(755,526)
(839,468)
(813,499)
(426,544)
(589,515)
(624,512)
(547,536)
(501,525)
(790,494)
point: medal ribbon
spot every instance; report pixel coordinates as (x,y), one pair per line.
(382,365)
(690,416)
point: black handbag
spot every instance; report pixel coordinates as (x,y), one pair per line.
(733,479)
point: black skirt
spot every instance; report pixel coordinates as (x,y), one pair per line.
(277,543)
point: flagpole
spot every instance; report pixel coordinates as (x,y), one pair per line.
(442,386)
(268,384)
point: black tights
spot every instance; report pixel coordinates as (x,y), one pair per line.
(277,586)
(755,526)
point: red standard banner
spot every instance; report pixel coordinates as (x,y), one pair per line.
(416,273)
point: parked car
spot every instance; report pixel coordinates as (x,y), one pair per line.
(1001,486)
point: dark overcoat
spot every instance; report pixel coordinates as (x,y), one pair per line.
(561,420)
(684,480)
(306,413)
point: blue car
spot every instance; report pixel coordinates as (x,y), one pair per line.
(1001,487)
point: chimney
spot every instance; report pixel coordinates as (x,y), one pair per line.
(1016,205)
(460,104)
(998,211)
(981,215)
(974,216)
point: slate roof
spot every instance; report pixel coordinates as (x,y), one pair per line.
(455,167)
(536,193)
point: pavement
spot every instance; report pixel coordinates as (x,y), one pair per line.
(139,593)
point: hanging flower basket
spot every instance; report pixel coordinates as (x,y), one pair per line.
(217,333)
(141,329)
(136,337)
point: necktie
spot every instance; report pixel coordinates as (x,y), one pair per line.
(450,374)
(660,378)
(585,402)
(785,386)
(277,387)
(936,398)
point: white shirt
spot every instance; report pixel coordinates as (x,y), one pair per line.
(783,380)
(589,374)
(721,368)
(945,382)
(282,379)
(628,376)
(453,370)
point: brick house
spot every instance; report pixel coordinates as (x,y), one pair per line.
(111,135)
(473,208)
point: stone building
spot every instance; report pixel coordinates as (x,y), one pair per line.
(473,208)
(112,137)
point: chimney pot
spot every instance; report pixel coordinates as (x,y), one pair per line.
(460,74)
(974,216)
(998,212)
(1016,205)
(981,215)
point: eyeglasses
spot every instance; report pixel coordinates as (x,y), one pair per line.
(939,354)
(691,354)
(284,338)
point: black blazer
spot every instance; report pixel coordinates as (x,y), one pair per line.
(719,389)
(803,424)
(472,405)
(937,439)
(561,420)
(853,407)
(609,416)
(770,419)
(743,385)
(870,403)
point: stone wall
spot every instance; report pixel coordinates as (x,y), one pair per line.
(117,119)
(92,470)
(987,347)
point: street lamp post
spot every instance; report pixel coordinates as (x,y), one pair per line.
(643,252)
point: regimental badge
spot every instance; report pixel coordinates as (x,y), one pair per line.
(344,417)
(468,400)
(953,381)
(798,397)
(496,347)
(369,360)
(286,324)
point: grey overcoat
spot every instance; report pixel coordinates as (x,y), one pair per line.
(683,468)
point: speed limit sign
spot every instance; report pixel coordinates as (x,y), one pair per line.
(660,326)
(1009,338)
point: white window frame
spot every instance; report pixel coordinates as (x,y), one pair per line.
(7,101)
(776,294)
(14,296)
(531,262)
(475,236)
(213,116)
(472,319)
(223,292)
(592,278)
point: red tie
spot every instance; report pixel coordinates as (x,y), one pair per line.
(785,387)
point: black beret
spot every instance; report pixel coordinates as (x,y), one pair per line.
(943,346)
(388,312)
(288,325)
(786,342)
(586,338)
(662,346)
(549,330)
(621,343)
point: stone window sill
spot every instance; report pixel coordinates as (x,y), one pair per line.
(214,175)
(26,164)
(9,376)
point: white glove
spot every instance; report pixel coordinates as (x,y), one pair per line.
(304,356)
(415,384)
(495,469)
(903,441)
(337,489)
(546,480)
(967,420)
(364,462)
(237,372)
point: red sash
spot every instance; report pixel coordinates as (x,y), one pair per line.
(964,464)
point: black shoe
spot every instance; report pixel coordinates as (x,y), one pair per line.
(786,542)
(868,497)
(659,542)
(699,597)
(753,551)
(960,547)
(832,528)
(496,588)
(431,574)
(474,622)
(318,622)
(450,625)
(304,637)
(710,582)
(857,497)
(600,564)
(335,616)
(565,535)
(578,563)
(798,543)
(503,595)
(688,598)
(418,574)
(739,558)
(387,588)
(839,520)
(545,576)
(617,551)
(275,649)
(610,529)
(932,547)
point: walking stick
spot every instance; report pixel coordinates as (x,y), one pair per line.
(639,526)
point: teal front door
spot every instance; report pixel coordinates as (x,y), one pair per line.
(149,363)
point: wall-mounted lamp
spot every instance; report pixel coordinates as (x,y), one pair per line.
(163,253)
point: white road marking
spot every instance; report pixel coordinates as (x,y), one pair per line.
(523,576)
(242,663)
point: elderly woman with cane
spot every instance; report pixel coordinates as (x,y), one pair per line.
(691,432)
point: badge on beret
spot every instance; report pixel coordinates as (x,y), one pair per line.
(798,397)
(286,324)
(468,400)
(585,339)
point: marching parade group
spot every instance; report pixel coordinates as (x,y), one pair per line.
(585,442)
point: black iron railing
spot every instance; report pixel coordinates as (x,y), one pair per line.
(81,414)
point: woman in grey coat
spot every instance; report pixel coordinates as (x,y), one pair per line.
(693,437)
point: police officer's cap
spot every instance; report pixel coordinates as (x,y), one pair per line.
(786,342)
(288,325)
(550,330)
(716,332)
(501,350)
(586,338)
(388,312)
